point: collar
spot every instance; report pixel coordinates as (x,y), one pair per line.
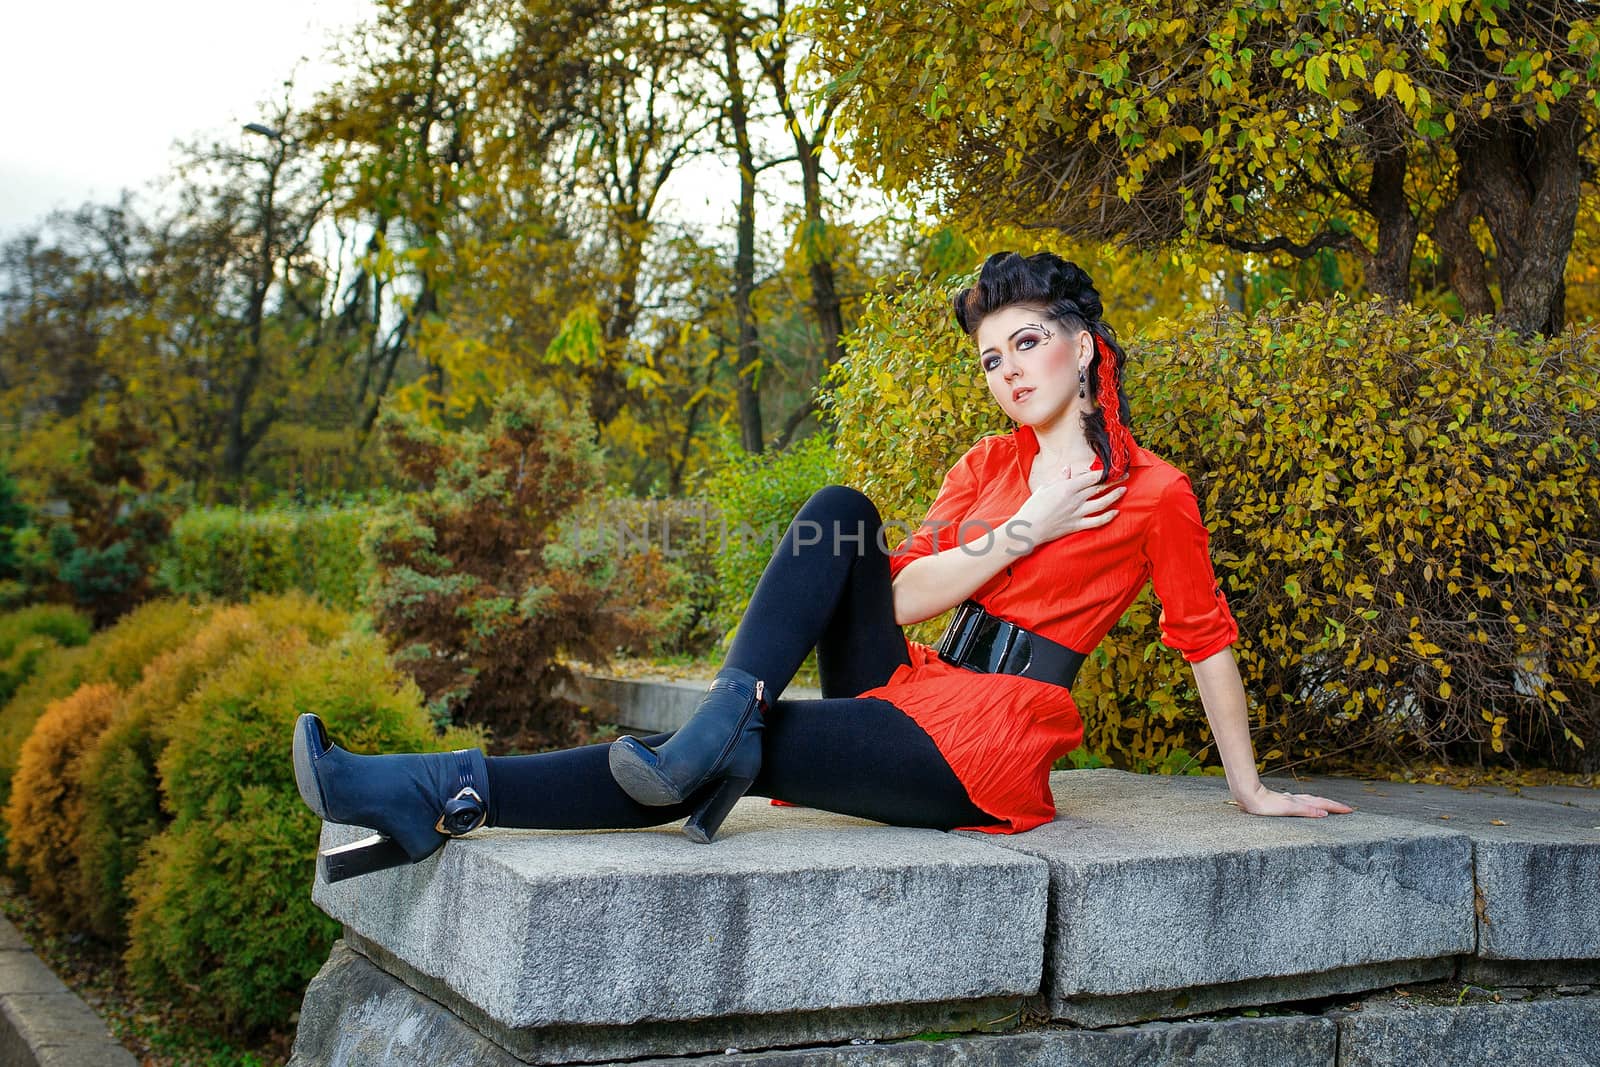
(1027,444)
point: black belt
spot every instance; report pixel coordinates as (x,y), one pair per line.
(979,641)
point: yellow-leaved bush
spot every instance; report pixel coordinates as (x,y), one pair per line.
(46,805)
(122,802)
(221,896)
(117,654)
(1404,513)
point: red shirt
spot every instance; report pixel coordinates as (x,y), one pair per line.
(1001,732)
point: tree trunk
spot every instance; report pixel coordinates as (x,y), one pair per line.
(1528,183)
(744,263)
(1464,269)
(1389,268)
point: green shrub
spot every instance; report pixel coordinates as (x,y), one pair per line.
(756,497)
(233,555)
(1403,513)
(63,625)
(122,801)
(101,554)
(45,811)
(118,654)
(686,531)
(222,908)
(475,592)
(26,636)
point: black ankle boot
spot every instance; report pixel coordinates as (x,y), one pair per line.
(721,741)
(416,802)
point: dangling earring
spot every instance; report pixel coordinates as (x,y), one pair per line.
(1082,385)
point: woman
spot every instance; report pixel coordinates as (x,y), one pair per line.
(1024,535)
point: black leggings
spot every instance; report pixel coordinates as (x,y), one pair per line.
(827,585)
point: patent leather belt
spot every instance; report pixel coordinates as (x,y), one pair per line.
(979,641)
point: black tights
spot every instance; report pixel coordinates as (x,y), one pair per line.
(827,585)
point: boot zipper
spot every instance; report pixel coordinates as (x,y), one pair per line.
(744,719)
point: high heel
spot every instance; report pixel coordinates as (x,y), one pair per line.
(416,801)
(702,825)
(721,740)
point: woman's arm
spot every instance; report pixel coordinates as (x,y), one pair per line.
(935,583)
(1222,695)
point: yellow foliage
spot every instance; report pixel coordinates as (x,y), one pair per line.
(1402,513)
(45,812)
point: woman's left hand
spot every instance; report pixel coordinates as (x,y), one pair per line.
(1264,801)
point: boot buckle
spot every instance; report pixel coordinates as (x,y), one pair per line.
(463,813)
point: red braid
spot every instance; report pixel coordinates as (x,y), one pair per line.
(1111,408)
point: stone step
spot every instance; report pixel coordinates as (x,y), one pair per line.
(789,914)
(358,1014)
(1535,858)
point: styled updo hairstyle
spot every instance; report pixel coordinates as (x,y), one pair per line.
(1068,295)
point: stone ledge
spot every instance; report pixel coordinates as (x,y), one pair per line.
(394,999)
(1535,856)
(1164,901)
(357,1014)
(1158,883)
(789,911)
(1549,1031)
(650,705)
(42,1022)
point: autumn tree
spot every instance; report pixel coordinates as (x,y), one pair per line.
(1462,130)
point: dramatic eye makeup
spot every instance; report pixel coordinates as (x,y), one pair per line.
(1023,344)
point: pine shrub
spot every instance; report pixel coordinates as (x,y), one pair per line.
(122,800)
(476,592)
(45,812)
(221,904)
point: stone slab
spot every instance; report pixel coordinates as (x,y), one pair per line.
(651,705)
(1536,856)
(1545,1030)
(357,1015)
(1161,883)
(1289,1041)
(1528,972)
(365,995)
(23,972)
(1089,1010)
(789,910)
(42,1022)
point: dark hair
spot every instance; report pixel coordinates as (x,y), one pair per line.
(1068,295)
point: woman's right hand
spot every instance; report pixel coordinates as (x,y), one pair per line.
(1069,503)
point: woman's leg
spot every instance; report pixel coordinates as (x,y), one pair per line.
(571,789)
(857,756)
(861,756)
(826,586)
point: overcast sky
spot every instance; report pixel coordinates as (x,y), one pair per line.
(97,92)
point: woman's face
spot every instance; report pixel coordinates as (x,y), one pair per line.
(1021,351)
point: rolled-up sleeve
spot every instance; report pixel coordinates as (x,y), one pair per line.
(941,525)
(1195,618)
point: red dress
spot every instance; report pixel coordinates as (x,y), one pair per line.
(1001,732)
